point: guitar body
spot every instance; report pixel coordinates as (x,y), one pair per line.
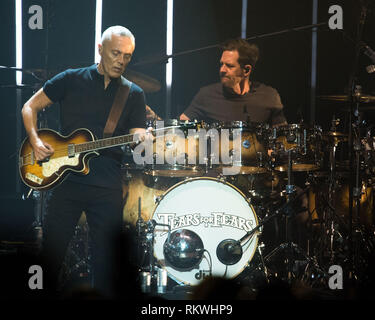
(42,175)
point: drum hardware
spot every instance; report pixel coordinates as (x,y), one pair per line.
(141,229)
(288,247)
(306,143)
(183,249)
(354,159)
(152,272)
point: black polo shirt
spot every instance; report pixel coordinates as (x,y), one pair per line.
(214,102)
(84,103)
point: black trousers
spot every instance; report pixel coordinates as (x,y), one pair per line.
(103,209)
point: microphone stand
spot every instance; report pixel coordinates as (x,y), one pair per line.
(165,58)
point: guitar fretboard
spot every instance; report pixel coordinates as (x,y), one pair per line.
(103,143)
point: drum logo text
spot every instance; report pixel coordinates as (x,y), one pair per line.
(216,219)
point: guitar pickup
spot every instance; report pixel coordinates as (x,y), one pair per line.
(34,178)
(71,150)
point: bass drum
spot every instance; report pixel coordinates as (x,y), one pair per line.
(201,214)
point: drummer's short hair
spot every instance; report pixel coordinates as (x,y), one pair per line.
(119,31)
(248,52)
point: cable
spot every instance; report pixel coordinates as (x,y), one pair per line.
(210,261)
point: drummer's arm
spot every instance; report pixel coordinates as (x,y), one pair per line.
(151,114)
(184,117)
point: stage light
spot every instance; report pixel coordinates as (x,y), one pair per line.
(18,4)
(169,49)
(314,45)
(244,19)
(98,28)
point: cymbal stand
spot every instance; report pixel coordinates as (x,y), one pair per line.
(329,218)
(288,246)
(353,96)
(290,189)
(357,186)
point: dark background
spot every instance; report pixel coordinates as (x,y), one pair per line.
(67,40)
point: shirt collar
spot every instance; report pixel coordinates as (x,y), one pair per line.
(95,73)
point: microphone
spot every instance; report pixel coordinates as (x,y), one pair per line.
(229,251)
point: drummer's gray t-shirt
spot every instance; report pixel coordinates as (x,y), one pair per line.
(261,104)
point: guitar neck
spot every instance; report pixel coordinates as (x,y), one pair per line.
(103,143)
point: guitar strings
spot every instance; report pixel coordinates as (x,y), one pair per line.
(64,152)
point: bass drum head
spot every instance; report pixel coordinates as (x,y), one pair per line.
(209,210)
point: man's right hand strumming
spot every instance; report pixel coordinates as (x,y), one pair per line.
(42,149)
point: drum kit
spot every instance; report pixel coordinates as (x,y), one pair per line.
(284,213)
(299,200)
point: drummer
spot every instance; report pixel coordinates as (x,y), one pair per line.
(236,97)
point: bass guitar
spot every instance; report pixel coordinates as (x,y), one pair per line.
(72,154)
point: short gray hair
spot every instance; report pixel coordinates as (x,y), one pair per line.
(117,30)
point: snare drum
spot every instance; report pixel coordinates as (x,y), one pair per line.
(176,150)
(304,143)
(202,213)
(249,155)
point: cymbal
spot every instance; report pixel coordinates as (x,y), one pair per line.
(18,86)
(147,83)
(335,136)
(364,98)
(26,70)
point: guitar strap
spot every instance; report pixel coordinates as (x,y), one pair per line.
(117,107)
